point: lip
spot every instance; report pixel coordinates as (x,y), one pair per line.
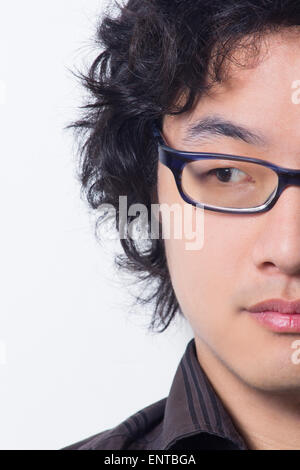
(277,315)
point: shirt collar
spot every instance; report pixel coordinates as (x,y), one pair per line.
(193,406)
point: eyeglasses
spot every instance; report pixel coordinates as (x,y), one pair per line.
(225,183)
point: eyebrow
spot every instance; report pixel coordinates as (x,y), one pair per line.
(215,125)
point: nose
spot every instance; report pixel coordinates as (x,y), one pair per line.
(277,244)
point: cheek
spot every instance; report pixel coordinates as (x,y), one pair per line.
(205,280)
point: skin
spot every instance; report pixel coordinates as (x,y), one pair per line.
(246,258)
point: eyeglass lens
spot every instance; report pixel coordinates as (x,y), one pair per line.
(228,183)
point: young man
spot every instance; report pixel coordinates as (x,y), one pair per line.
(219,79)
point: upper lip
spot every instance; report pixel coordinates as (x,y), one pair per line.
(276,305)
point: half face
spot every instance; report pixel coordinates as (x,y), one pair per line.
(245,258)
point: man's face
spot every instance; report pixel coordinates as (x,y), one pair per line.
(245,258)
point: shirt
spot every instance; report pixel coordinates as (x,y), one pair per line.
(191,417)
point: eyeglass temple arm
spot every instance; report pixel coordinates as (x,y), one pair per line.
(157,134)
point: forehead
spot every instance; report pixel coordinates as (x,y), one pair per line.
(257,89)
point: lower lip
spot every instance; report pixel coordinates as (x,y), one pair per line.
(281,322)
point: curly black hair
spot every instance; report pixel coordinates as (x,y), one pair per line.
(155,58)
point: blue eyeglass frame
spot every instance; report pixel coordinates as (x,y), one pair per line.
(176,160)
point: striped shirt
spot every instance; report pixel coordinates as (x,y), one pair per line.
(191,417)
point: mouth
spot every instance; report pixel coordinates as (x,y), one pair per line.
(277,315)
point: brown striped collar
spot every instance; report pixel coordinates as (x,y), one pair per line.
(193,406)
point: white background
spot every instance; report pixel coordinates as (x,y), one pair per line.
(75,355)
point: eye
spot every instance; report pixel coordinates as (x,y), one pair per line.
(225,174)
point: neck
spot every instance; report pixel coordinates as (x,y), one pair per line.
(265,419)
